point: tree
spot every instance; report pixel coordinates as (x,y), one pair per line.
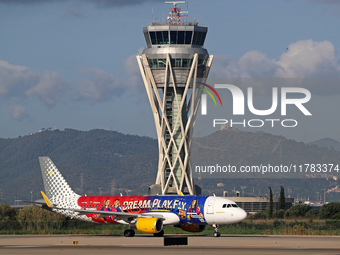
(270,203)
(8,218)
(33,217)
(7,213)
(327,211)
(297,211)
(282,201)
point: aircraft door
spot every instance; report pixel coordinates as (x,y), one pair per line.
(210,209)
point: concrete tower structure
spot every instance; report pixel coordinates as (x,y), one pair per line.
(174,65)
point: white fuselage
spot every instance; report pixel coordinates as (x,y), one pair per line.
(219,210)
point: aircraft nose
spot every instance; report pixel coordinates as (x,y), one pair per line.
(243,214)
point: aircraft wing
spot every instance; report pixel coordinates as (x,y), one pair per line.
(122,214)
(125,216)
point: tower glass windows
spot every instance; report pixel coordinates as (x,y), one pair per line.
(147,38)
(180,37)
(188,35)
(173,37)
(159,37)
(175,62)
(166,37)
(153,37)
(176,37)
(199,38)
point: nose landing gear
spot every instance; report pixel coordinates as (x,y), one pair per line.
(216,234)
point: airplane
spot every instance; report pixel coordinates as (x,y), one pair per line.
(147,214)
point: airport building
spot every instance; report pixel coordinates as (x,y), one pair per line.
(259,204)
(174,67)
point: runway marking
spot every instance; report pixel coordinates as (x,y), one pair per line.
(24,246)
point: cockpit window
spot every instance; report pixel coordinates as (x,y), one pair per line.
(229,205)
(224,206)
(234,205)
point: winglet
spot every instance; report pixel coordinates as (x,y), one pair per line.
(46,199)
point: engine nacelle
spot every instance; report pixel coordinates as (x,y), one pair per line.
(193,228)
(149,225)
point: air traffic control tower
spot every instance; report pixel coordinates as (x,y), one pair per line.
(174,65)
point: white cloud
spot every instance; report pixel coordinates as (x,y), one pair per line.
(19,83)
(18,112)
(251,64)
(132,69)
(99,86)
(50,88)
(304,59)
(309,59)
(14,80)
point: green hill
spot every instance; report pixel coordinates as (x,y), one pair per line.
(107,162)
(237,148)
(103,159)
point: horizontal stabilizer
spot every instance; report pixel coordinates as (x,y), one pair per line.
(31,202)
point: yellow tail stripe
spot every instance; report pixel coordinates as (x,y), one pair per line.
(46,199)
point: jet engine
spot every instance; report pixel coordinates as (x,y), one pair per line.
(149,225)
(193,228)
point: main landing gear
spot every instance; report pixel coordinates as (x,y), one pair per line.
(216,234)
(159,234)
(129,233)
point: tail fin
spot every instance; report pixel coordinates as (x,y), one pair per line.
(55,184)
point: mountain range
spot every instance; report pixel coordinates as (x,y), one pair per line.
(328,142)
(101,162)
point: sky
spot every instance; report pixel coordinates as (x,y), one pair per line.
(72,64)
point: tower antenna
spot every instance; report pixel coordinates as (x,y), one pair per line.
(176,13)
